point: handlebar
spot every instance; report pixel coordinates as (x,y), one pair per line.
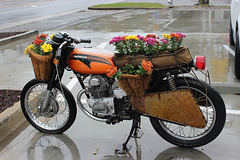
(66,39)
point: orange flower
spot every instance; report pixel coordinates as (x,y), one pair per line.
(147,65)
(178,36)
(172,34)
(175,35)
(150,64)
(111,71)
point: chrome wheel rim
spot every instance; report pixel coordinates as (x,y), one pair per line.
(55,116)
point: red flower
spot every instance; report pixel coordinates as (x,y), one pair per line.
(123,38)
(125,63)
(38,41)
(44,36)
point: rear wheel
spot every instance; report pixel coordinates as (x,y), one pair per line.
(57,117)
(231,41)
(237,57)
(214,113)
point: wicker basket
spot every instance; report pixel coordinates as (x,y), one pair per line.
(135,85)
(161,60)
(42,65)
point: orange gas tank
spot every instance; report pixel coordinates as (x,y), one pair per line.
(90,60)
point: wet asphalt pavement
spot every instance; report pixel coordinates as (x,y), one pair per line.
(207,34)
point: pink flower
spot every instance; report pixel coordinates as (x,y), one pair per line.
(164,41)
(151,41)
(115,40)
(140,37)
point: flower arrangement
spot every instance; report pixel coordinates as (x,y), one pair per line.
(41,57)
(127,68)
(148,45)
(39,46)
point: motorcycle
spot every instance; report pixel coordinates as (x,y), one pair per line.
(51,108)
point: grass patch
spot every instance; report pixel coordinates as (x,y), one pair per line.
(130,5)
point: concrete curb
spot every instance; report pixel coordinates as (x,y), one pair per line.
(18,37)
(10,120)
(167,7)
(122,8)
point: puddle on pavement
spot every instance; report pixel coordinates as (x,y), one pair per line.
(59,147)
(186,21)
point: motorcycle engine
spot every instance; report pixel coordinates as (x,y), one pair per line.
(99,86)
(102,98)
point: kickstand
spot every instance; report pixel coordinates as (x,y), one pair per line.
(134,129)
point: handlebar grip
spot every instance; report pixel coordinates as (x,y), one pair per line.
(77,40)
(85,40)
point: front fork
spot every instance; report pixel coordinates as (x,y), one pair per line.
(49,91)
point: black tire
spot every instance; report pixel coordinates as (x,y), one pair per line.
(215,115)
(57,117)
(237,57)
(231,40)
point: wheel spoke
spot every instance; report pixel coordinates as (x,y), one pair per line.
(54,116)
(188,132)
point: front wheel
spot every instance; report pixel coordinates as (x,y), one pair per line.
(58,116)
(213,109)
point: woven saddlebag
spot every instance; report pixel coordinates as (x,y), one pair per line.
(135,85)
(161,60)
(177,106)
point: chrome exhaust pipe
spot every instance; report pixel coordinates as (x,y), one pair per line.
(84,110)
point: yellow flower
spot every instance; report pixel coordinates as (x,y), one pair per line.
(166,36)
(132,37)
(25,51)
(51,37)
(30,47)
(47,48)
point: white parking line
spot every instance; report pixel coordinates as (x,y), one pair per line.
(166,25)
(103,45)
(72,83)
(230,50)
(232,111)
